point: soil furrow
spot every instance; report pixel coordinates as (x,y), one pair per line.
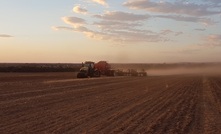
(154,104)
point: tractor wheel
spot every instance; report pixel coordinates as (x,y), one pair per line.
(97,73)
(81,75)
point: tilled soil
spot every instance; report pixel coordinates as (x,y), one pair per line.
(58,103)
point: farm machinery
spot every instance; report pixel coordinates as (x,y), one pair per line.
(92,69)
(130,72)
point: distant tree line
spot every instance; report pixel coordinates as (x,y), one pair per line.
(62,67)
(39,68)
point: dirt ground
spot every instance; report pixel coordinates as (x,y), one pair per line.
(60,103)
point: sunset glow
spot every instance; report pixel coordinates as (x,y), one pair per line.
(123,31)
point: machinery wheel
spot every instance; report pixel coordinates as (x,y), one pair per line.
(97,73)
(81,75)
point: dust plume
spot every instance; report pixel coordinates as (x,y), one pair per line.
(183,71)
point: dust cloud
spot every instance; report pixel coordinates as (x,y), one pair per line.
(185,71)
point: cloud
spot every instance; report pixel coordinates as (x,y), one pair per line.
(178,33)
(115,31)
(132,35)
(120,37)
(127,31)
(168,32)
(104,23)
(5,36)
(74,21)
(124,27)
(204,21)
(200,29)
(75,29)
(118,27)
(101,2)
(78,9)
(213,1)
(122,16)
(213,40)
(178,7)
(56,28)
(80,29)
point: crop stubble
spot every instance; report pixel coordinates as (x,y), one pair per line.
(155,104)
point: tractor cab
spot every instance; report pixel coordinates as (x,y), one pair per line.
(88,64)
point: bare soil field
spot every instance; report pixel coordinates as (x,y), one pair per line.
(60,103)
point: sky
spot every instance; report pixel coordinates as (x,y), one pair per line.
(117,31)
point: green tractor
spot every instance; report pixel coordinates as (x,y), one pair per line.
(88,70)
